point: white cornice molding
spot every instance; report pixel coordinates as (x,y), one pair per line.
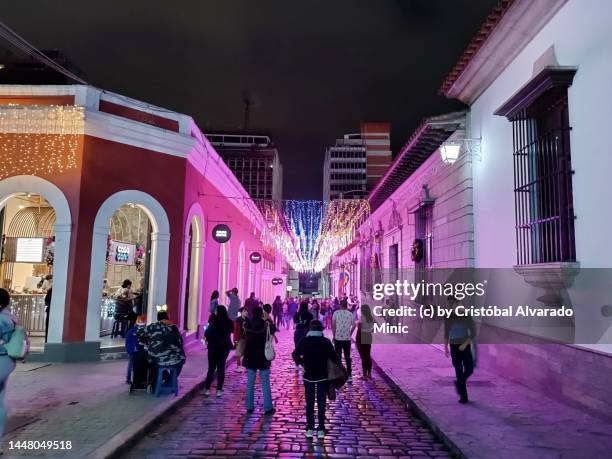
(521,23)
(123,130)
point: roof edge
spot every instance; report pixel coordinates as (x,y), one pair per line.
(507,30)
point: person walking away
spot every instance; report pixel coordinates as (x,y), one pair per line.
(7,364)
(234,303)
(292,308)
(315,310)
(267,316)
(255,360)
(302,321)
(250,303)
(458,335)
(164,344)
(323,312)
(363,340)
(343,325)
(313,352)
(132,345)
(277,311)
(286,316)
(239,336)
(218,336)
(214,303)
(48,297)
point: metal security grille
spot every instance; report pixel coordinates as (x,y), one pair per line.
(424,231)
(543,181)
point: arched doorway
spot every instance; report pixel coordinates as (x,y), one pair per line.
(29,188)
(157,259)
(224,271)
(192,280)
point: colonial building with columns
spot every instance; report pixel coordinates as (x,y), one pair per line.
(96,188)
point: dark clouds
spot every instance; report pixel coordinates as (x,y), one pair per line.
(315,69)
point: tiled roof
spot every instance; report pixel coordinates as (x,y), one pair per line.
(425,140)
(479,39)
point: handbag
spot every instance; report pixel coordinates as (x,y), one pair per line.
(336,374)
(269,351)
(18,346)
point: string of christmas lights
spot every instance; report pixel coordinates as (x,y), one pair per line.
(309,233)
(39,139)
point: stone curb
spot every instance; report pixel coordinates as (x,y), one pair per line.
(120,443)
(420,412)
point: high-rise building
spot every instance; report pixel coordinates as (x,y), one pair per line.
(254,161)
(356,162)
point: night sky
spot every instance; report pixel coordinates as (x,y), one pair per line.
(314,69)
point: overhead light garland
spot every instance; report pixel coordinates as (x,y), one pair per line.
(39,139)
(309,233)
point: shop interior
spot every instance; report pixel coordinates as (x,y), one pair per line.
(26,253)
(26,266)
(126,260)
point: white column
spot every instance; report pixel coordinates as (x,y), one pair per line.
(60,282)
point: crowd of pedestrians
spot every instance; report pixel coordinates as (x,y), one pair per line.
(251,330)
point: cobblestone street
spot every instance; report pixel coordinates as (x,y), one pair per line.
(366,420)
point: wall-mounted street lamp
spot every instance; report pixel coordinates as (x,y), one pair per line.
(451,149)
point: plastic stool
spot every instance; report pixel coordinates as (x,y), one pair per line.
(171,387)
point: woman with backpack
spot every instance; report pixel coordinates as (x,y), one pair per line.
(7,364)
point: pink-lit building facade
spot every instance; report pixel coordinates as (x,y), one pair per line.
(85,153)
(535,68)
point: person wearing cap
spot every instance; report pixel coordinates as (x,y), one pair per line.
(133,345)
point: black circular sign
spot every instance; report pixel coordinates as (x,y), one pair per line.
(255,257)
(277,281)
(221,233)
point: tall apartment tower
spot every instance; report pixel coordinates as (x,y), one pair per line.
(254,161)
(356,162)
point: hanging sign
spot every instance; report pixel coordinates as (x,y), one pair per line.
(221,233)
(120,253)
(277,281)
(255,257)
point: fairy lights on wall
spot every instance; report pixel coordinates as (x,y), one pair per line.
(309,233)
(39,139)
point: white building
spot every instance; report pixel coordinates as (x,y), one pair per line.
(536,79)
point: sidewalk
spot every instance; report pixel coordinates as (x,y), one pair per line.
(502,420)
(88,404)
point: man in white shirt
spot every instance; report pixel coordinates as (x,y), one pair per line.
(343,325)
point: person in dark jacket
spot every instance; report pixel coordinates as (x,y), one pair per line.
(254,360)
(218,335)
(302,322)
(458,334)
(312,352)
(250,303)
(133,345)
(277,311)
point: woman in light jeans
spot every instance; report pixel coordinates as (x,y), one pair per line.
(7,364)
(254,360)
